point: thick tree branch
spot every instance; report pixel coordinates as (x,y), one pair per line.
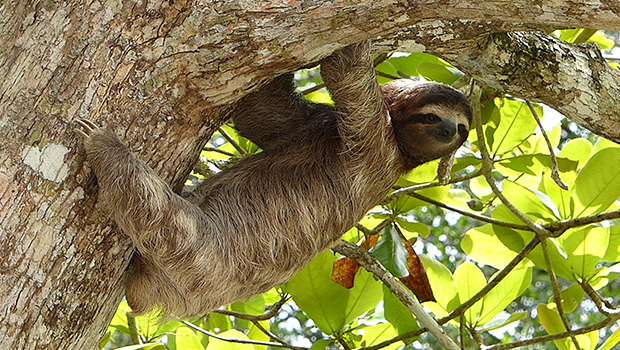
(573,79)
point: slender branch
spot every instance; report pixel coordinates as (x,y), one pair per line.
(371,264)
(487,166)
(273,310)
(470,214)
(232,142)
(562,226)
(408,190)
(133,330)
(557,297)
(603,306)
(492,283)
(317,87)
(555,172)
(237,340)
(547,338)
(217,150)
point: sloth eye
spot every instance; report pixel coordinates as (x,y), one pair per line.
(431,118)
(462,129)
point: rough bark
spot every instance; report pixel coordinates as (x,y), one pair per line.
(160,74)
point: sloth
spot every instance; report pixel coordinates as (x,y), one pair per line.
(251,227)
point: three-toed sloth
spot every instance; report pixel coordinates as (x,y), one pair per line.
(253,226)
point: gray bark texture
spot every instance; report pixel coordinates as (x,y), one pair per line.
(162,74)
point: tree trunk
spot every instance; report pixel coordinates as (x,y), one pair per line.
(162,74)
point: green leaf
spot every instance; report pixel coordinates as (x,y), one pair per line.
(318,296)
(217,344)
(424,173)
(530,202)
(148,346)
(415,228)
(397,313)
(509,124)
(439,72)
(612,254)
(187,339)
(482,245)
(571,297)
(552,322)
(365,295)
(379,333)
(560,197)
(469,281)
(441,282)
(598,184)
(510,288)
(584,246)
(320,344)
(391,252)
(578,150)
(405,204)
(611,341)
(256,333)
(502,322)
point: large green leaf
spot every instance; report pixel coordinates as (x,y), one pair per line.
(442,283)
(379,333)
(510,288)
(612,254)
(323,300)
(187,339)
(510,123)
(584,247)
(216,344)
(469,280)
(598,184)
(330,305)
(365,295)
(482,245)
(391,252)
(397,313)
(530,202)
(552,322)
(578,150)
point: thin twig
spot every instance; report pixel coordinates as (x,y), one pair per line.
(371,264)
(410,189)
(547,338)
(133,330)
(232,142)
(237,340)
(555,172)
(273,310)
(492,283)
(487,167)
(603,306)
(470,214)
(557,297)
(213,149)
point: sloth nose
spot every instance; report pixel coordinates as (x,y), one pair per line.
(445,131)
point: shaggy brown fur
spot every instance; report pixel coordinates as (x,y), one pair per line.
(253,226)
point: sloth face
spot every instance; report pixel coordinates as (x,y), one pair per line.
(429,120)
